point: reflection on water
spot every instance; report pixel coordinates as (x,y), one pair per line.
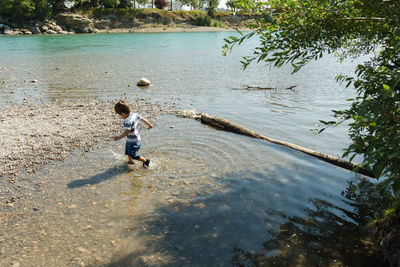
(213,232)
(322,238)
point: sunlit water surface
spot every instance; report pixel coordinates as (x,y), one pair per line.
(210,198)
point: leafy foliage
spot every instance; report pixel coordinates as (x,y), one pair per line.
(296,32)
(25,10)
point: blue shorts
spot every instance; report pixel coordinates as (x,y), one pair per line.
(131,149)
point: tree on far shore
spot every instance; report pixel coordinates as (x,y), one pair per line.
(26,10)
(193,4)
(232,5)
(212,6)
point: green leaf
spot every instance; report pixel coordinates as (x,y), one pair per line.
(386,183)
(386,87)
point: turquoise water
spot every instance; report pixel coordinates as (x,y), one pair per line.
(211,198)
(188,66)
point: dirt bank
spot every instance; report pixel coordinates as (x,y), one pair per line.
(99,20)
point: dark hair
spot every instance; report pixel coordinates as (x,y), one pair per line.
(122,107)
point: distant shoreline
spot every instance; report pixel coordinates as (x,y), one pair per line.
(152,21)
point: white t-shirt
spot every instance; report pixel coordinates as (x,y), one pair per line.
(131,123)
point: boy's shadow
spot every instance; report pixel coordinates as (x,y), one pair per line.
(98,178)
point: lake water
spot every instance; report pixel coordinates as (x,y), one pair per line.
(211,198)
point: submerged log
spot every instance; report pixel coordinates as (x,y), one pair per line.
(229,126)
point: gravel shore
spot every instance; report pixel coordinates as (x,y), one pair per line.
(35,135)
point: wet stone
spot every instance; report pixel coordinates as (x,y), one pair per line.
(81,249)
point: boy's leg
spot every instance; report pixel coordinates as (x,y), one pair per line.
(130,159)
(142,159)
(146,162)
(136,156)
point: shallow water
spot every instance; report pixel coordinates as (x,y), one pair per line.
(187,68)
(210,198)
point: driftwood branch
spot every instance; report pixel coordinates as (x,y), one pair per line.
(270,88)
(226,125)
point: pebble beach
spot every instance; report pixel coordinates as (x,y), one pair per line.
(34,135)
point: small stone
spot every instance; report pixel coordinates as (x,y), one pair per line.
(73,206)
(16,264)
(196,227)
(10,205)
(87,227)
(143,82)
(81,249)
(34,81)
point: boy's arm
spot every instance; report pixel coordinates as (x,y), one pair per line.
(147,123)
(125,133)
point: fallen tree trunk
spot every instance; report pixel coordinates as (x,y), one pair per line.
(226,125)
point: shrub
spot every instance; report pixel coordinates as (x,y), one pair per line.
(110,3)
(160,4)
(120,12)
(208,22)
(203,21)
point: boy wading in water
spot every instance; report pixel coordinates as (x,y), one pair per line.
(131,121)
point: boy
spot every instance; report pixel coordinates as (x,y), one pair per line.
(131,121)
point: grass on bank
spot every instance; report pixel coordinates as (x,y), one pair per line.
(195,17)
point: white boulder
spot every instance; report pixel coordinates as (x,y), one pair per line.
(143,82)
